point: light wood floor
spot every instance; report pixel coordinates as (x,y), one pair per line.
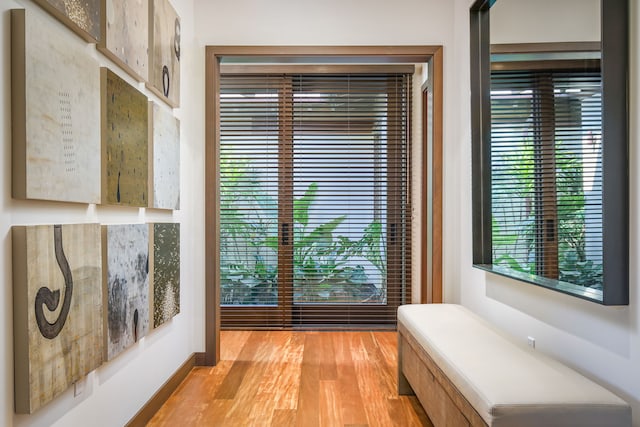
(282,378)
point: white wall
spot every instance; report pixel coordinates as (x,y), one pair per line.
(117,390)
(601,342)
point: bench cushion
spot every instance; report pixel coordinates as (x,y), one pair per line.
(508,384)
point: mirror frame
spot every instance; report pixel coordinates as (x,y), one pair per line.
(615,147)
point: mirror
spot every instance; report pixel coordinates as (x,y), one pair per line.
(549,144)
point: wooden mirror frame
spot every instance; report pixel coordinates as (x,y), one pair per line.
(615,137)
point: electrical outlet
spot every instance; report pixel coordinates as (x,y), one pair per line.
(78,386)
(531,341)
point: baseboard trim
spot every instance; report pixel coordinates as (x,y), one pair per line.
(160,397)
(201,359)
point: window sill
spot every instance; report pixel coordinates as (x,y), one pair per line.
(589,294)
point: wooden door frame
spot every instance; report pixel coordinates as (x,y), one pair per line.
(213,57)
(432,164)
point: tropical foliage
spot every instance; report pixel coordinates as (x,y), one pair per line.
(327,266)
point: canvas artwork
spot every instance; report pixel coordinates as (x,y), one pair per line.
(125,36)
(164,130)
(81,16)
(126,286)
(55,112)
(164,53)
(57,309)
(124,143)
(166,272)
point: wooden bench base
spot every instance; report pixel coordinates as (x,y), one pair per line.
(419,375)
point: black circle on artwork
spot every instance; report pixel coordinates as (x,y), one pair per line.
(176,38)
(165,80)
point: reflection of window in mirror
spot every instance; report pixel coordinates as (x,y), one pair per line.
(547,154)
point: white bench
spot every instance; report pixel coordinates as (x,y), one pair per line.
(466,373)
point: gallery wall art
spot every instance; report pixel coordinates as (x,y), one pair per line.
(124,142)
(125,35)
(57,309)
(126,269)
(81,16)
(164,158)
(164,51)
(55,112)
(166,271)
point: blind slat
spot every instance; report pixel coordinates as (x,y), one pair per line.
(314,204)
(546,180)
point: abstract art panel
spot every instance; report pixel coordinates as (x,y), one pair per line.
(124,143)
(57,309)
(165,158)
(125,35)
(164,52)
(126,267)
(55,112)
(166,272)
(81,16)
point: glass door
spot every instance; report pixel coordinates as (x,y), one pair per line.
(313,200)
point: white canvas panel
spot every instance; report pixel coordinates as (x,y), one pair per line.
(56,112)
(166,159)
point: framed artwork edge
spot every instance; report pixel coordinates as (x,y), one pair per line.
(22,398)
(102,47)
(150,165)
(105,292)
(18,104)
(161,96)
(85,35)
(152,293)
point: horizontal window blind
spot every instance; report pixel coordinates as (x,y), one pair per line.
(314,199)
(546,161)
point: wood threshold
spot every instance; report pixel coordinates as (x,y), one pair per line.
(154,404)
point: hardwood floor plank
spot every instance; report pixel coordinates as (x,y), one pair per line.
(277,388)
(330,413)
(372,387)
(284,417)
(292,378)
(281,385)
(328,369)
(232,381)
(241,364)
(308,400)
(234,342)
(215,414)
(258,410)
(353,412)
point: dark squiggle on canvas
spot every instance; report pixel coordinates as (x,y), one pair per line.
(52,298)
(165,80)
